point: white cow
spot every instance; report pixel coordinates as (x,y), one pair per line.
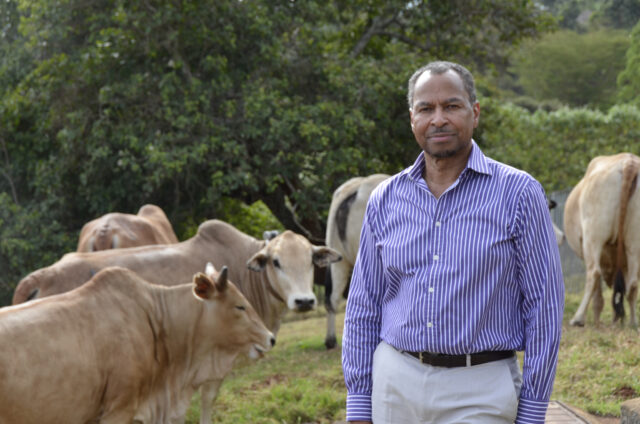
(602,226)
(344,224)
(119,349)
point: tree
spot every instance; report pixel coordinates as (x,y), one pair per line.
(628,81)
(576,69)
(185,103)
(619,14)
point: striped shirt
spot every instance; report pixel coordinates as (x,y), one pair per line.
(476,269)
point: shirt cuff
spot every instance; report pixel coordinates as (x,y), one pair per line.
(531,411)
(358,407)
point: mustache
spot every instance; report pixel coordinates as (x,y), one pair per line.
(440,131)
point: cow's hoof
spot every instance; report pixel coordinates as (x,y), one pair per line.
(330,342)
(576,323)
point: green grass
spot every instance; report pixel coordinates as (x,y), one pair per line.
(299,381)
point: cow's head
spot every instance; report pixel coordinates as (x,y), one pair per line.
(289,259)
(229,314)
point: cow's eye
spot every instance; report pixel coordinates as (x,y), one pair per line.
(240,308)
(276,263)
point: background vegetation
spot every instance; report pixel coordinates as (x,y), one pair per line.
(207,107)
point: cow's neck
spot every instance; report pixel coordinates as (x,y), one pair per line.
(181,317)
(269,308)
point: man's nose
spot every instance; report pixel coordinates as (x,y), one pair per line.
(439,119)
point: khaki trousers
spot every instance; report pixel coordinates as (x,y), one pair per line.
(406,391)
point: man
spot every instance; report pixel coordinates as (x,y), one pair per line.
(458,268)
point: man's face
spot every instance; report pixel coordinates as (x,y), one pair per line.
(442,118)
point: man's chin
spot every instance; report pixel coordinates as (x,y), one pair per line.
(444,152)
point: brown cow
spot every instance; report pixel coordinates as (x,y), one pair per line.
(284,277)
(120,349)
(116,230)
(602,226)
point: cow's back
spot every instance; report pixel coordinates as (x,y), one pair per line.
(346,214)
(163,264)
(592,208)
(121,230)
(66,355)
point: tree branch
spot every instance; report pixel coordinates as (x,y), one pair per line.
(377,26)
(6,174)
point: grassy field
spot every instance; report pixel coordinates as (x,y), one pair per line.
(299,381)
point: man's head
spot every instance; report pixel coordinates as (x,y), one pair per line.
(444,110)
(439,68)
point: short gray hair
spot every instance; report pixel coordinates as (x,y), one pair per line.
(438,68)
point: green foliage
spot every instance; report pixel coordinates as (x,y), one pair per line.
(621,14)
(556,147)
(253,219)
(110,104)
(629,78)
(576,69)
(28,240)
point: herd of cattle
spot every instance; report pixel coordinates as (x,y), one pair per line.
(141,320)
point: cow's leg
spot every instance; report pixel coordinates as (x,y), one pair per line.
(598,301)
(631,282)
(592,285)
(208,393)
(339,277)
(632,293)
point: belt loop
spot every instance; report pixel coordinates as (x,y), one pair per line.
(420,356)
(468,360)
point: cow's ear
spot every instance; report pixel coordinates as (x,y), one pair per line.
(270,235)
(324,256)
(221,280)
(258,261)
(203,286)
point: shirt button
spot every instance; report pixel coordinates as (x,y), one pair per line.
(431,289)
(436,257)
(437,223)
(429,325)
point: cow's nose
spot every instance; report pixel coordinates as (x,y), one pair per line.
(273,341)
(304,305)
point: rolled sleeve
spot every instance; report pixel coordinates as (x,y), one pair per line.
(358,407)
(531,411)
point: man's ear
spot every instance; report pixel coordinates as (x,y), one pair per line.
(258,261)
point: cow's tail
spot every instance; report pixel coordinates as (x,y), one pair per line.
(629,182)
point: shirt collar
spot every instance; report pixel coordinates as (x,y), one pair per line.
(477,162)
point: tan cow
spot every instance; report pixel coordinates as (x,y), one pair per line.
(119,349)
(602,226)
(117,230)
(283,277)
(344,224)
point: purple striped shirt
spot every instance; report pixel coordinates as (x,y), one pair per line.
(477,269)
